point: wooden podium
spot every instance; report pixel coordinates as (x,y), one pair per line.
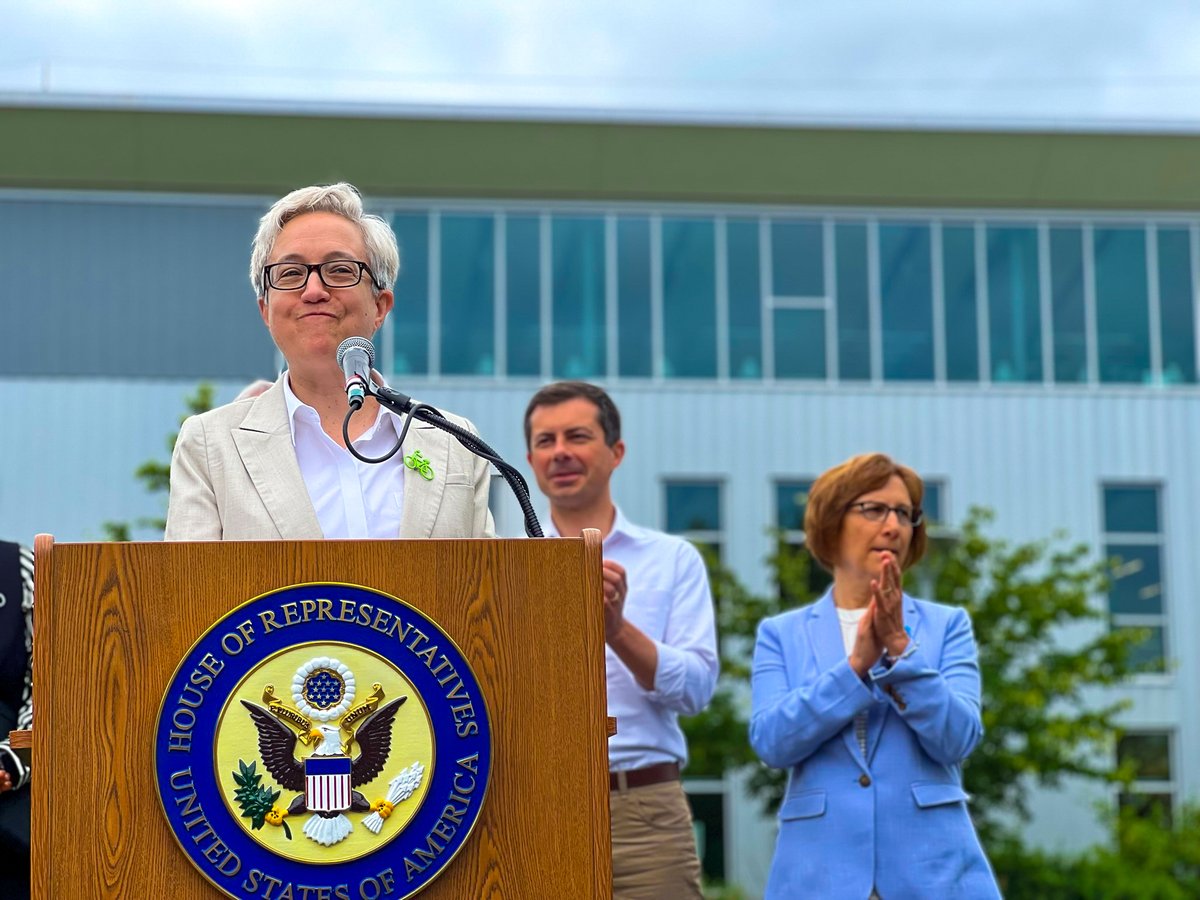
(115,620)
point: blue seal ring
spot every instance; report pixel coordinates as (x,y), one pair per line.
(322,613)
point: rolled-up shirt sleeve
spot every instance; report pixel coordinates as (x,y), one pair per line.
(686,675)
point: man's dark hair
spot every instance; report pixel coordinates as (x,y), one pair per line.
(562,391)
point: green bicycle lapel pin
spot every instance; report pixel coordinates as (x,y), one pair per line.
(418,462)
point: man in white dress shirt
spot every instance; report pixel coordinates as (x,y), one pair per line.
(276,466)
(660,631)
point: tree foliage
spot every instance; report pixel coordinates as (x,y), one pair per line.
(155,474)
(1146,861)
(1025,602)
(717,738)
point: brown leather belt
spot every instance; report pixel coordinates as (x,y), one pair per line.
(636,778)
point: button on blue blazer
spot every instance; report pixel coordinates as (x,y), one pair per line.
(895,819)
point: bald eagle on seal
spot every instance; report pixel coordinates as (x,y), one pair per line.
(277,746)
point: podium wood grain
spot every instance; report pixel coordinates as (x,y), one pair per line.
(115,620)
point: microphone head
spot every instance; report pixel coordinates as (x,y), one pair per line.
(356,343)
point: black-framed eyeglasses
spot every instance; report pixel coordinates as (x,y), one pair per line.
(334,273)
(877,512)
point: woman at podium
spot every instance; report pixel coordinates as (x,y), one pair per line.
(276,466)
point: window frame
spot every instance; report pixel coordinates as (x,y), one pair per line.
(1169,786)
(1141,538)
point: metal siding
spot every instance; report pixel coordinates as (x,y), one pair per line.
(129,290)
(71,446)
(1036,457)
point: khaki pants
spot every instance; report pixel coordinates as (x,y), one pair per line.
(653,846)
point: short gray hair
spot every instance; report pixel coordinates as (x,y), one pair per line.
(341,199)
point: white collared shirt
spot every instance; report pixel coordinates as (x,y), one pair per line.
(668,599)
(352,499)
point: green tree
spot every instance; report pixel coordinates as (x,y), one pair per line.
(1146,860)
(717,739)
(155,474)
(1038,728)
(1149,860)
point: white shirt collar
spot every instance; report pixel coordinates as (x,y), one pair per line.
(621,528)
(295,406)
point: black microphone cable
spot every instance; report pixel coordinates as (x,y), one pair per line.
(350,446)
(411,409)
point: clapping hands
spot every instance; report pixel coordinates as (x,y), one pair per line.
(882,626)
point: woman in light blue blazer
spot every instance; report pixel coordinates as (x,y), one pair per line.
(870,699)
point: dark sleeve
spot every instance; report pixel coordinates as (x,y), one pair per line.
(16,657)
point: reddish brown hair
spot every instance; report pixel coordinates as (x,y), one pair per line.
(831,495)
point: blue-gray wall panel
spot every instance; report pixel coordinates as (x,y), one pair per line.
(70,447)
(136,289)
(1037,457)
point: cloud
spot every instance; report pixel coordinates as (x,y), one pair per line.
(1076,59)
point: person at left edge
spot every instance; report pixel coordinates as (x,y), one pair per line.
(276,466)
(16,711)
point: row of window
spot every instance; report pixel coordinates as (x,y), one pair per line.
(745,295)
(563,294)
(1133,539)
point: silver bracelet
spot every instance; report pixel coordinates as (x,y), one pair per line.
(889,660)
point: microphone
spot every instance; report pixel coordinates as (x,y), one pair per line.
(355,355)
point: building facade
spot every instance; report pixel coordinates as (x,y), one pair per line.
(1013,314)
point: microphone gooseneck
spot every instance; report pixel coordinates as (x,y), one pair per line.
(355,355)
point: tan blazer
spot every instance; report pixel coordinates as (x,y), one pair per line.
(234,477)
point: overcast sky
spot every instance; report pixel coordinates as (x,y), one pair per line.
(1068,63)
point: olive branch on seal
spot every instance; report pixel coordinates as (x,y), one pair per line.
(255,800)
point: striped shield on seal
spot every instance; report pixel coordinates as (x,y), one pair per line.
(327,783)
